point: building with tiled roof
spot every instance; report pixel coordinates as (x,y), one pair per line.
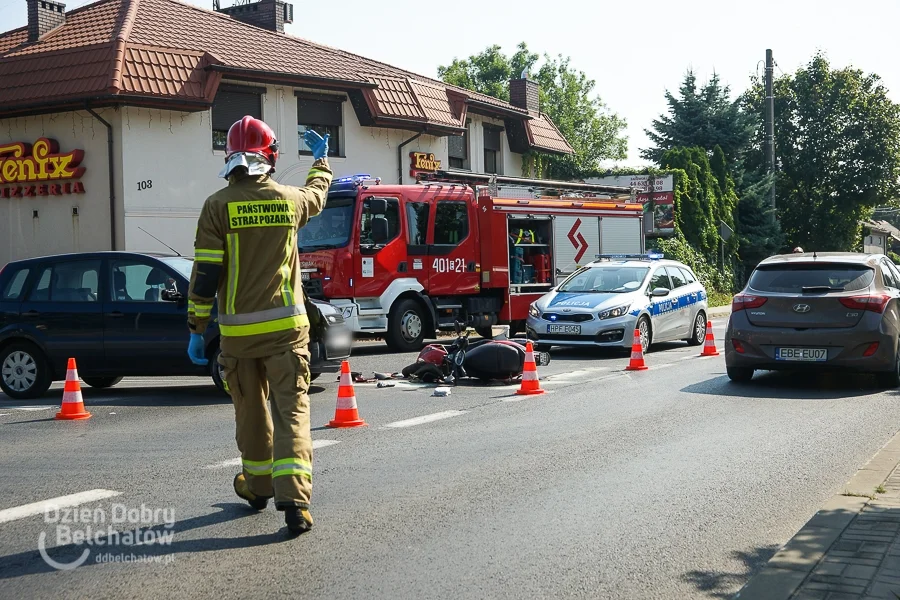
(140,94)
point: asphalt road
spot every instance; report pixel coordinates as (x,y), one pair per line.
(668,483)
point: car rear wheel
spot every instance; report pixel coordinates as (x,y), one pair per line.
(216,372)
(101,382)
(406,327)
(739,374)
(890,379)
(698,331)
(24,372)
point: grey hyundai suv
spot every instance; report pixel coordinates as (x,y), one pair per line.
(826,311)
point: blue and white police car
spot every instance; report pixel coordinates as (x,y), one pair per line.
(602,303)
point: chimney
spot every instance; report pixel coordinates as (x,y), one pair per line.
(268,14)
(43,17)
(525,93)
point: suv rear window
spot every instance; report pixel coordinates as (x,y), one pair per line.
(795,278)
(16,284)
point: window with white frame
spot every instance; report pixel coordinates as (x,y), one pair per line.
(232,104)
(324,114)
(459,150)
(492,158)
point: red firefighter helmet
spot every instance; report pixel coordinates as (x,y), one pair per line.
(251,144)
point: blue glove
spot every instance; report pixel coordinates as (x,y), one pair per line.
(195,350)
(316,143)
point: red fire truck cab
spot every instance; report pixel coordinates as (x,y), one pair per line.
(403,261)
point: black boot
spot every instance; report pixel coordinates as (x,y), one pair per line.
(242,489)
(297,519)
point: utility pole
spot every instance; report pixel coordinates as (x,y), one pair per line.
(770,121)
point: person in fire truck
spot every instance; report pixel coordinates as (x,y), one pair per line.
(246,258)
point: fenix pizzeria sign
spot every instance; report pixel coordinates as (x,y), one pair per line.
(39,169)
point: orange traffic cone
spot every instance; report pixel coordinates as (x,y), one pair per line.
(72,403)
(531,385)
(637,354)
(346,414)
(709,346)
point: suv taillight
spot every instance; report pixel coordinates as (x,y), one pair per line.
(742,301)
(875,304)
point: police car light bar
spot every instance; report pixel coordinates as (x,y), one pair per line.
(648,256)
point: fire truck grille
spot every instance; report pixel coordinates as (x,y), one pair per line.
(313,289)
(577,318)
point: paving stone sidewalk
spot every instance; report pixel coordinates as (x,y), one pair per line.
(848,550)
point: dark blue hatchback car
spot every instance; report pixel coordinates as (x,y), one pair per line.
(119,314)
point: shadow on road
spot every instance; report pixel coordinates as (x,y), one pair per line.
(790,386)
(721,584)
(32,563)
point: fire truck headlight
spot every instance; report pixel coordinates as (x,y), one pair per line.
(534,312)
(612,313)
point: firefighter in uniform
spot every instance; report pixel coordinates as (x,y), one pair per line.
(246,256)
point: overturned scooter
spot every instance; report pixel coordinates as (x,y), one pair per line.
(497,359)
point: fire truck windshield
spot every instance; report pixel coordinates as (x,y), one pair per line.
(330,228)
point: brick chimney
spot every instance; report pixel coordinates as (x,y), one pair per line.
(43,17)
(525,93)
(268,14)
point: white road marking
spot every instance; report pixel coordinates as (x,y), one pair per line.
(4,414)
(37,508)
(426,418)
(236,462)
(28,408)
(662,366)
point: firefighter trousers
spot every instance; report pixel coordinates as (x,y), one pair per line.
(280,467)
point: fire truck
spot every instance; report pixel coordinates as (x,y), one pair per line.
(404,261)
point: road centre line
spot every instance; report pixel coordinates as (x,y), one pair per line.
(235,462)
(37,508)
(426,418)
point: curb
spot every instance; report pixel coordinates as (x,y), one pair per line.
(719,311)
(789,568)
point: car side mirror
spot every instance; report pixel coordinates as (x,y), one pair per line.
(659,292)
(377,206)
(379,229)
(171,295)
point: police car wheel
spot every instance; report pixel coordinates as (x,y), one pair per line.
(646,333)
(698,332)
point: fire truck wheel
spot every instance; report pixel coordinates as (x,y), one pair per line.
(406,326)
(485,332)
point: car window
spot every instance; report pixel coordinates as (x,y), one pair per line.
(417,222)
(676,276)
(660,280)
(888,276)
(888,265)
(688,276)
(794,278)
(393,218)
(74,281)
(610,279)
(137,281)
(451,223)
(15,286)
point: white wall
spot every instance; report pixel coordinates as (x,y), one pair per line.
(165,168)
(56,230)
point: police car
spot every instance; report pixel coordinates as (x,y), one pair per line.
(602,303)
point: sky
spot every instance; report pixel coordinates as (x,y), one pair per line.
(635,50)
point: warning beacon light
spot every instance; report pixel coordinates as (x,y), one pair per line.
(351,182)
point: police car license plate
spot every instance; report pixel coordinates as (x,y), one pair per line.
(802,354)
(575,329)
